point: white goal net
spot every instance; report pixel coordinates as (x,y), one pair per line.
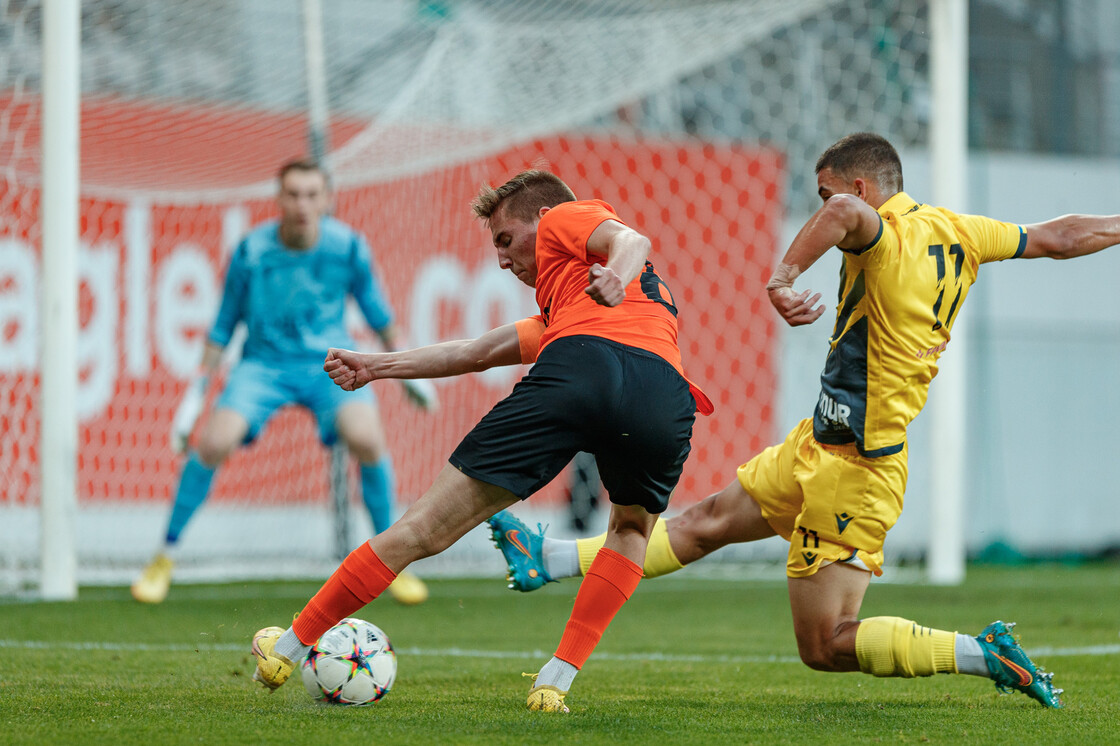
(699,121)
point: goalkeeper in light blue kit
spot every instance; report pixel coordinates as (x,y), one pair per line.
(288,281)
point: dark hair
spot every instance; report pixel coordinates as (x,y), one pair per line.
(303,164)
(522,196)
(864,155)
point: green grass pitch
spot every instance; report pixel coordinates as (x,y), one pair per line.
(689,660)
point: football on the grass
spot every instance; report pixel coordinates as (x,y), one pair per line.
(353,663)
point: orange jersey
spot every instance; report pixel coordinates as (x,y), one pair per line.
(646,318)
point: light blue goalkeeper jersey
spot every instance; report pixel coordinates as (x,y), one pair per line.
(293,301)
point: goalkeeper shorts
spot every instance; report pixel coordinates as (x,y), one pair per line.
(255,390)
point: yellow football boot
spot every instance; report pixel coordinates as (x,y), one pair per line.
(545,698)
(151,587)
(272,669)
(408,589)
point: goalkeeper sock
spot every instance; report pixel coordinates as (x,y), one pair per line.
(377,493)
(610,581)
(360,578)
(892,646)
(660,558)
(194,485)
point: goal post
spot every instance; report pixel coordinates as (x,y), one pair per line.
(318,112)
(59,372)
(949,171)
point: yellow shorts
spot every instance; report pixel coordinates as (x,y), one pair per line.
(829,502)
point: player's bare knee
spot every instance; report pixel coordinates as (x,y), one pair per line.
(366,451)
(359,427)
(817,654)
(366,444)
(214,450)
(822,648)
(811,659)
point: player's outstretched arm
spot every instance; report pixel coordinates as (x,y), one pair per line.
(419,391)
(352,370)
(1071,236)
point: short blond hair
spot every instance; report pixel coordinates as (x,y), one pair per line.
(522,196)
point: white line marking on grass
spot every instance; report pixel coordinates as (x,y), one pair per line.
(1089,650)
(652,657)
(119,646)
(425,652)
(1092,650)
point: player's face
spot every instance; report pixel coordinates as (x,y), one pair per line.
(516,242)
(829,184)
(303,201)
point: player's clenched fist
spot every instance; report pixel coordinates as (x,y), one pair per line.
(346,369)
(606,287)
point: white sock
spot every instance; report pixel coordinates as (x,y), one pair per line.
(557,673)
(970,656)
(561,558)
(290,647)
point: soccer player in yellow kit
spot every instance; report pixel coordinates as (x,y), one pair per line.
(834,487)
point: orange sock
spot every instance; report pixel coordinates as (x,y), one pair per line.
(360,578)
(609,582)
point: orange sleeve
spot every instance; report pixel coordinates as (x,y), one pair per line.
(529,333)
(573,224)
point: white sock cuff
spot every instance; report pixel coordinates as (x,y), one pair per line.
(970,656)
(557,673)
(561,558)
(290,647)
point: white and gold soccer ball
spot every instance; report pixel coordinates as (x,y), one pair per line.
(353,663)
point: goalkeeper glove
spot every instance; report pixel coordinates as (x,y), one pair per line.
(421,392)
(187,414)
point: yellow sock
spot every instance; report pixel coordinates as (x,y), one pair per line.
(587,549)
(892,646)
(660,559)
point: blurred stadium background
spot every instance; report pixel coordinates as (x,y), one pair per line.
(700,121)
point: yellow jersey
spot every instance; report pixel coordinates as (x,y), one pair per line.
(899,297)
